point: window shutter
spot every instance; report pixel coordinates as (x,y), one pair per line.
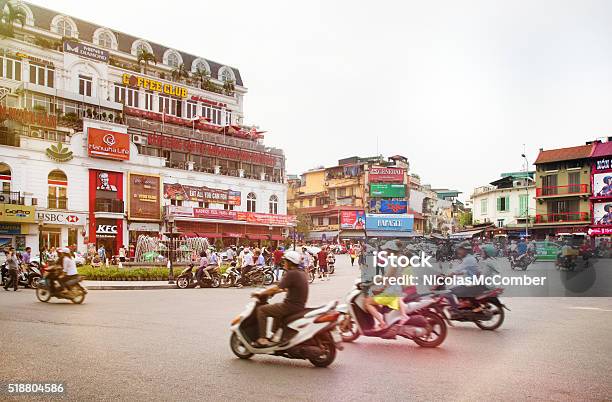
(499,203)
(507,204)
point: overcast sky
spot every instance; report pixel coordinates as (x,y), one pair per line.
(455,86)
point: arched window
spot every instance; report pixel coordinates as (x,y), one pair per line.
(172,60)
(64,28)
(5,178)
(200,64)
(251,198)
(139,45)
(105,40)
(226,74)
(273,204)
(58,189)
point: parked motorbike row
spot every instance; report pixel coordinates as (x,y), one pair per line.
(28,276)
(315,334)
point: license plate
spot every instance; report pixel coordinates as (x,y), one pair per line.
(336,335)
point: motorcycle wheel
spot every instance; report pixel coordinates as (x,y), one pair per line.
(328,354)
(311,276)
(238,347)
(438,331)
(332,269)
(43,294)
(215,282)
(493,323)
(227,281)
(348,329)
(33,281)
(79,299)
(182,282)
(268,279)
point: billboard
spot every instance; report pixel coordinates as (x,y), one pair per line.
(386,174)
(390,222)
(215,213)
(108,144)
(144,200)
(17,213)
(602,184)
(602,213)
(388,206)
(352,220)
(201,194)
(387,190)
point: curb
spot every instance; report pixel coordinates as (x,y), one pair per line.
(134,287)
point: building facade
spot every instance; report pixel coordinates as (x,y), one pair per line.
(563,188)
(105,136)
(601,183)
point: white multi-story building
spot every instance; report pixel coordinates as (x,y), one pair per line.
(98,146)
(508,202)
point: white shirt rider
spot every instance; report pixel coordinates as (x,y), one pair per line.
(69,266)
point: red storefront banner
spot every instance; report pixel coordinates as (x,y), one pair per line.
(215,213)
(386,175)
(108,144)
(266,219)
(201,194)
(599,231)
(203,148)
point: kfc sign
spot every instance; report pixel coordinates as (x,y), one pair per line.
(107,229)
(108,144)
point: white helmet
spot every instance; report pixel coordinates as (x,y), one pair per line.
(64,250)
(293,256)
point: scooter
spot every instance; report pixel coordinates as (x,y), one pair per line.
(311,334)
(521,261)
(187,279)
(424,326)
(49,286)
(231,276)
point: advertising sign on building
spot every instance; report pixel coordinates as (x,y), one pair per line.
(266,219)
(85,50)
(386,174)
(60,218)
(153,85)
(215,213)
(600,231)
(10,228)
(144,202)
(602,164)
(201,194)
(17,213)
(387,190)
(108,144)
(388,206)
(602,184)
(398,223)
(602,213)
(352,220)
(28,117)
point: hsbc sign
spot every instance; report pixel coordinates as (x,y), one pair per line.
(60,218)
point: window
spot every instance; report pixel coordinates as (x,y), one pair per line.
(10,68)
(523,204)
(58,185)
(503,204)
(64,27)
(273,204)
(573,179)
(192,109)
(213,113)
(5,178)
(200,65)
(41,75)
(85,84)
(549,184)
(500,223)
(170,106)
(228,207)
(173,60)
(228,117)
(251,202)
(483,206)
(148,100)
(226,74)
(127,96)
(105,40)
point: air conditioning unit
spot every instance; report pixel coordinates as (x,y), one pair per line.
(139,139)
(36,134)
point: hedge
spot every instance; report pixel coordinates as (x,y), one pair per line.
(113,273)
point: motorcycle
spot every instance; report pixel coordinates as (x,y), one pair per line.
(49,286)
(491,314)
(28,276)
(231,276)
(521,261)
(187,279)
(425,326)
(258,276)
(566,262)
(311,334)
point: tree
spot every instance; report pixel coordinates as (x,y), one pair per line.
(465,219)
(180,72)
(9,16)
(145,57)
(304,224)
(202,76)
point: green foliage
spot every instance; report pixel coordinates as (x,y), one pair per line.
(465,219)
(9,15)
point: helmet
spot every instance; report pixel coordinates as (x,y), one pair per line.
(489,250)
(293,257)
(466,245)
(64,250)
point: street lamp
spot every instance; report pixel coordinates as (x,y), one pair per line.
(527,191)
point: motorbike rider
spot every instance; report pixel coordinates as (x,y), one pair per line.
(521,248)
(12,264)
(201,267)
(68,265)
(295,283)
(247,265)
(26,256)
(467,267)
(488,267)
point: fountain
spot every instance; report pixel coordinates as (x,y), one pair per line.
(151,249)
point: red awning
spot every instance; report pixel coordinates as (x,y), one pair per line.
(277,237)
(190,234)
(210,235)
(229,234)
(257,236)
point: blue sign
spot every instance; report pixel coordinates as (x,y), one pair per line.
(391,222)
(10,228)
(381,206)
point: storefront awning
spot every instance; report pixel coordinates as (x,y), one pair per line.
(465,235)
(352,234)
(277,237)
(257,236)
(209,235)
(230,234)
(390,233)
(322,235)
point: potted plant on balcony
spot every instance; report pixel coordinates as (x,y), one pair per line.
(201,75)
(180,73)
(10,14)
(145,57)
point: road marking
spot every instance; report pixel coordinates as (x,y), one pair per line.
(590,308)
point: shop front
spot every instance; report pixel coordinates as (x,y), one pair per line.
(106,210)
(601,200)
(16,222)
(143,207)
(60,228)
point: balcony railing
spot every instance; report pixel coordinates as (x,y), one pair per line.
(12,197)
(562,190)
(57,203)
(108,205)
(562,217)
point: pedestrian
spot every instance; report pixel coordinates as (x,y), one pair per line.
(122,253)
(247,265)
(322,257)
(13,270)
(277,259)
(102,253)
(353,254)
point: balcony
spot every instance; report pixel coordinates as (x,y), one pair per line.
(12,197)
(561,191)
(109,206)
(57,203)
(564,217)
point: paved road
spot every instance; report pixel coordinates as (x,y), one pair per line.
(171,344)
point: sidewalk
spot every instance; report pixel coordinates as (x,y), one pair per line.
(127,285)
